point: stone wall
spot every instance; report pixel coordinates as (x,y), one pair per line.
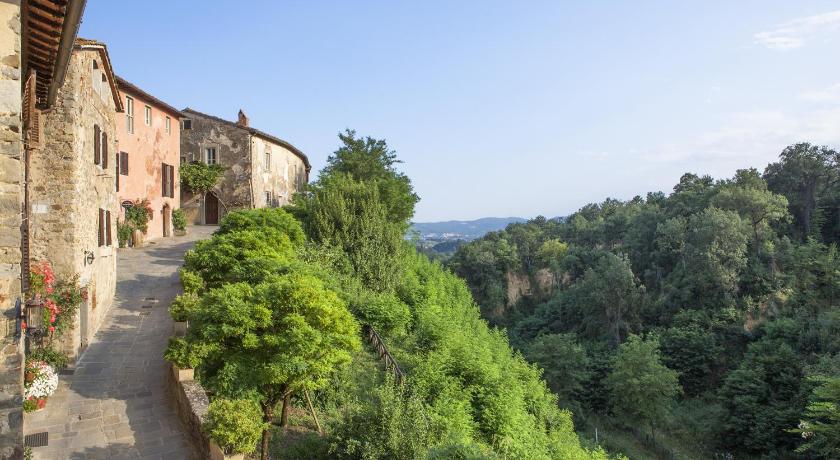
(11,173)
(232,146)
(191,402)
(278,173)
(68,189)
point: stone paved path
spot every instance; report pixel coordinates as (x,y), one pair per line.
(116,405)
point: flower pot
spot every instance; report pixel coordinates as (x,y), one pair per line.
(216,453)
(137,238)
(42,403)
(29,377)
(179,328)
(182,375)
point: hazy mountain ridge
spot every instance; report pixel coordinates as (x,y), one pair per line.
(462,229)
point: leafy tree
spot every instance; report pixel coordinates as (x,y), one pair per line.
(694,353)
(566,365)
(642,389)
(371,160)
(267,341)
(350,215)
(200,178)
(605,302)
(804,174)
(820,427)
(763,399)
(748,196)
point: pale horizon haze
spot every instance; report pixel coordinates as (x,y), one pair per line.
(501,108)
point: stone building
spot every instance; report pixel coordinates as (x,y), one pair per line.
(261,170)
(36,40)
(146,167)
(73,183)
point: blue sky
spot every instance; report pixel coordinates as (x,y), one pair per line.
(502,108)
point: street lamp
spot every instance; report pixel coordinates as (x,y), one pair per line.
(34,315)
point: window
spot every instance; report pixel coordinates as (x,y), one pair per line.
(147,112)
(210,156)
(267,159)
(168,125)
(108,241)
(104,150)
(97,146)
(268,198)
(129,114)
(117,171)
(102,236)
(123,163)
(168,180)
(187,123)
(94,77)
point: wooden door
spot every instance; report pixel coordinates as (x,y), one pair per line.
(167,217)
(211,209)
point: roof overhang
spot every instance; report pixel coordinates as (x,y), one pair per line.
(49,29)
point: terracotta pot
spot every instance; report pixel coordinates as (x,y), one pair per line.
(137,238)
(179,328)
(182,375)
(29,377)
(42,403)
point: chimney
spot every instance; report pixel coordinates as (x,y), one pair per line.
(243,119)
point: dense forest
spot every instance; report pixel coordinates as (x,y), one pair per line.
(277,301)
(704,323)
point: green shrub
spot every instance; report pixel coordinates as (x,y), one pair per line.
(180,354)
(179,220)
(49,355)
(385,312)
(30,405)
(200,178)
(183,306)
(124,230)
(235,424)
(139,214)
(263,219)
(310,446)
(191,281)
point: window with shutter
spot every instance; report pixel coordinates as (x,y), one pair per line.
(108,228)
(164,181)
(117,172)
(124,163)
(171,181)
(101,227)
(97,138)
(104,150)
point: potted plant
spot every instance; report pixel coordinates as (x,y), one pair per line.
(234,426)
(180,310)
(183,359)
(179,222)
(138,216)
(43,384)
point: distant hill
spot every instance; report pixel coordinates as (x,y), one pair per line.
(462,229)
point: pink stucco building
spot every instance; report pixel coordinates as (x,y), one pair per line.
(148,133)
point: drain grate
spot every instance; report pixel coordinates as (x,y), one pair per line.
(145,313)
(37,439)
(151,299)
(146,306)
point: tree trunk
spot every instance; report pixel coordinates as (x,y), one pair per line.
(284,415)
(268,417)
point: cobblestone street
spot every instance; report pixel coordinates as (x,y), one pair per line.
(116,404)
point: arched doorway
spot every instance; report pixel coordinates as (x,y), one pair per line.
(167,220)
(211,209)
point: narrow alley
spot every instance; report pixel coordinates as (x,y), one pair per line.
(115,404)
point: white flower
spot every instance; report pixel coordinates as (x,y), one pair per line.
(44,384)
